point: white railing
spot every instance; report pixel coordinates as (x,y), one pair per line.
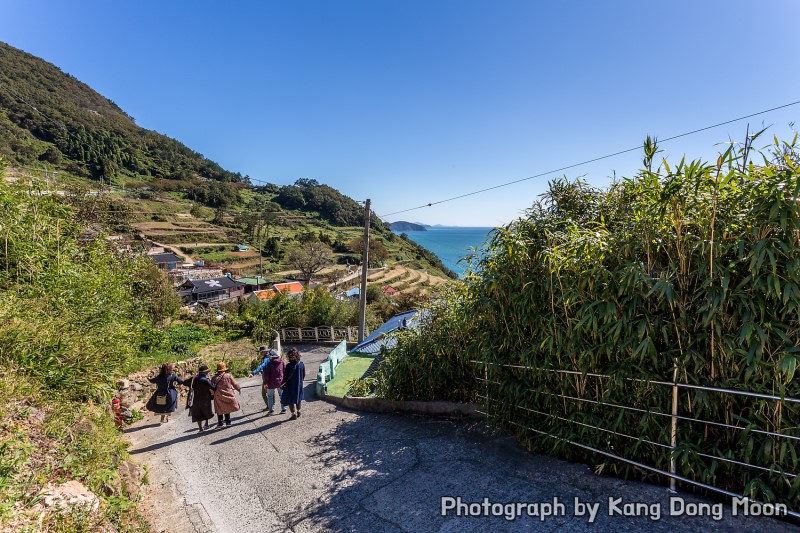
(320,334)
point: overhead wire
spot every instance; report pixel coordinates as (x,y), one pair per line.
(600,158)
(501,185)
(21,99)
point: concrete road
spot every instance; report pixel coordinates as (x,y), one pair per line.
(337,470)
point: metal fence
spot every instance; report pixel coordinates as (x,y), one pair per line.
(321,334)
(669,415)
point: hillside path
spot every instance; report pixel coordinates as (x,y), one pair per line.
(339,470)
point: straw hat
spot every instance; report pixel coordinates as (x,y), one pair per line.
(222,367)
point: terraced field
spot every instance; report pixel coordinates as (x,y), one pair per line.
(186,227)
(406,280)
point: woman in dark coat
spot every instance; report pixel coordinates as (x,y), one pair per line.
(202,394)
(293,376)
(165,400)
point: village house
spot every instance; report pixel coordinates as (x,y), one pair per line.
(293,289)
(255,284)
(390,291)
(211,290)
(166,262)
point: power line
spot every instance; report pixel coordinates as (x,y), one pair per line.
(587,161)
(18,97)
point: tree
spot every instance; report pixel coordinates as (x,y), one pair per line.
(309,258)
(377,251)
(195,211)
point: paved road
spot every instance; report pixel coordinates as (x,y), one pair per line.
(337,470)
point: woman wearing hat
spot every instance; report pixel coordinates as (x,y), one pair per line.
(271,370)
(225,401)
(202,393)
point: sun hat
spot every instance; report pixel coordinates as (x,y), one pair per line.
(222,367)
(203,368)
(263,349)
(273,354)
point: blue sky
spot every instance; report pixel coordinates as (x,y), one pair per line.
(410,102)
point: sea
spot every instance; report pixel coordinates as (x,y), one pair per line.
(451,243)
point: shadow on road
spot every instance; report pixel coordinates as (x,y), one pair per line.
(248,432)
(159,445)
(391,473)
(190,433)
(139,428)
(388,472)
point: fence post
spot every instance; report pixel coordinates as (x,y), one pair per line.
(316,334)
(333,335)
(673,467)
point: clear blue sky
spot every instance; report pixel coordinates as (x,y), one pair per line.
(408,102)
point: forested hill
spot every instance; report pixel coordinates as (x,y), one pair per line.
(50,119)
(48,116)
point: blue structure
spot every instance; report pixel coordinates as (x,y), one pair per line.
(378,338)
(370,346)
(353,293)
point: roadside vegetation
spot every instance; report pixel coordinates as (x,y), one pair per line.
(688,271)
(74,315)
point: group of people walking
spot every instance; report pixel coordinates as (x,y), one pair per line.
(215,394)
(286,379)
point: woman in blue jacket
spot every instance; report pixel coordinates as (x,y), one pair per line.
(293,376)
(165,400)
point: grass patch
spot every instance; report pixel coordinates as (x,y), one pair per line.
(241,356)
(177,342)
(351,368)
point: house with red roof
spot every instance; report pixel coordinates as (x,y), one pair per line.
(390,291)
(292,289)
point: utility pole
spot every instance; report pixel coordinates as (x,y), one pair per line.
(260,256)
(362,311)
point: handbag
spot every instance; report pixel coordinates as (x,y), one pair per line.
(161,400)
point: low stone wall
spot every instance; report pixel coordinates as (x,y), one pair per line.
(381,405)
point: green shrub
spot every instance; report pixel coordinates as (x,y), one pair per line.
(73,312)
(693,269)
(430,362)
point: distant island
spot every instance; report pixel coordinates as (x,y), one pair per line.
(407,226)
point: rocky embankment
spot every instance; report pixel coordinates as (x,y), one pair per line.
(134,391)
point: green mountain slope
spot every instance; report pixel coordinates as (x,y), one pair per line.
(47,116)
(168,192)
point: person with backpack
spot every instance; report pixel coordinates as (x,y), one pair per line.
(271,370)
(273,379)
(293,376)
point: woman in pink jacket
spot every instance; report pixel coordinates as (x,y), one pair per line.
(225,401)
